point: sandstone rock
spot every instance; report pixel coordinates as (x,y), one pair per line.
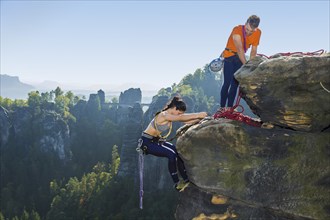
(288,91)
(55,134)
(197,204)
(279,169)
(48,131)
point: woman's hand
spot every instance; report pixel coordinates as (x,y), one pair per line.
(202,115)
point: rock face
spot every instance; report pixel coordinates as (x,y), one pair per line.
(5,126)
(48,131)
(280,172)
(129,116)
(283,170)
(55,135)
(132,131)
(289,91)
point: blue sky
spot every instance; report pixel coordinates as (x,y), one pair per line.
(148,43)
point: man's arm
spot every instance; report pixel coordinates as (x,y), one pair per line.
(239,47)
(253,53)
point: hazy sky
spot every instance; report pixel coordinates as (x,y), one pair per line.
(144,42)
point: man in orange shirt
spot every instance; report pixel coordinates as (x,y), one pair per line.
(240,39)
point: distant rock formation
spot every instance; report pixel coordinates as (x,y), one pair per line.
(129,115)
(55,135)
(101,95)
(13,88)
(130,96)
(48,131)
(132,129)
(280,171)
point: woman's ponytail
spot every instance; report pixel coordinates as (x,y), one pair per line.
(175,102)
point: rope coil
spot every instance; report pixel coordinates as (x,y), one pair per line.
(315,53)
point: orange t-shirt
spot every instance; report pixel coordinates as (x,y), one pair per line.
(253,39)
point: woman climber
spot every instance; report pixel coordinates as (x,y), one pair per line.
(153,142)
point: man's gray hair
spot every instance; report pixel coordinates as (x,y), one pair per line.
(254,21)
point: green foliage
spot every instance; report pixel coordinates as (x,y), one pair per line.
(38,185)
(184,90)
(100,196)
(203,87)
(12,104)
(115,161)
(95,137)
(34,99)
(28,170)
(165,92)
(82,199)
(114,100)
(45,101)
(58,92)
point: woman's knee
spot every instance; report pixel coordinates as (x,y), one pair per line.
(172,158)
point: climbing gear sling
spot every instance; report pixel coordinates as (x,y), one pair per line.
(140,150)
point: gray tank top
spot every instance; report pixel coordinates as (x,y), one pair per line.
(160,128)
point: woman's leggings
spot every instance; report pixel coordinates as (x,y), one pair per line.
(166,149)
(231,65)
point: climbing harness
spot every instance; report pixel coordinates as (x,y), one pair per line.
(233,114)
(315,53)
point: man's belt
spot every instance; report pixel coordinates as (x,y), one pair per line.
(231,51)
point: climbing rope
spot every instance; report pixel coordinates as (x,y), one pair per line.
(315,53)
(233,114)
(141,167)
(324,88)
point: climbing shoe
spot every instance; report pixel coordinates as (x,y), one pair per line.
(181,186)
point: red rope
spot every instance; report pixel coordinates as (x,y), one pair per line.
(238,100)
(315,53)
(233,114)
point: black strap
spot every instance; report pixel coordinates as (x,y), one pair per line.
(231,51)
